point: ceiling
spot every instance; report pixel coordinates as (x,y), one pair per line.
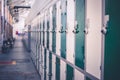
(19,8)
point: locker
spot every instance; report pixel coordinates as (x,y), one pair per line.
(44,32)
(42,63)
(41,29)
(69,73)
(58,22)
(48,27)
(112,40)
(50,66)
(45,52)
(62,70)
(53,67)
(47,65)
(45,28)
(93,37)
(79,32)
(57,68)
(88,78)
(54,29)
(78,75)
(63,28)
(40,60)
(50,44)
(70,35)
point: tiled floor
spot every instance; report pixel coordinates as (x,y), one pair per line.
(16,64)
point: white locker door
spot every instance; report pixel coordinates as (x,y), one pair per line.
(50,29)
(62,70)
(45,29)
(47,66)
(78,75)
(42,64)
(53,67)
(58,22)
(93,36)
(40,61)
(70,35)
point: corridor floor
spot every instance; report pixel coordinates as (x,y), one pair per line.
(16,64)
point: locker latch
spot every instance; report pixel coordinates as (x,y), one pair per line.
(61,30)
(105,25)
(76,28)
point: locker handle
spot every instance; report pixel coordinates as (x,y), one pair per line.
(61,30)
(75,31)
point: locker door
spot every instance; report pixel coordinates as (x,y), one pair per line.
(63,27)
(44,61)
(93,37)
(40,60)
(37,46)
(50,66)
(57,68)
(53,67)
(78,75)
(47,66)
(50,44)
(54,29)
(44,32)
(58,22)
(41,30)
(112,40)
(48,27)
(69,73)
(62,70)
(79,32)
(70,35)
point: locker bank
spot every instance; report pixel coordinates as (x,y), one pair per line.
(73,39)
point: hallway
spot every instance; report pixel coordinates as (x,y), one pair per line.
(16,64)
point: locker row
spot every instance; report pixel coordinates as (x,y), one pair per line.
(73,33)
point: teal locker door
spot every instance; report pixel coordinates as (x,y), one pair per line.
(41,30)
(79,33)
(63,27)
(57,68)
(88,78)
(50,66)
(54,29)
(43,33)
(45,52)
(48,26)
(40,33)
(70,73)
(112,41)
